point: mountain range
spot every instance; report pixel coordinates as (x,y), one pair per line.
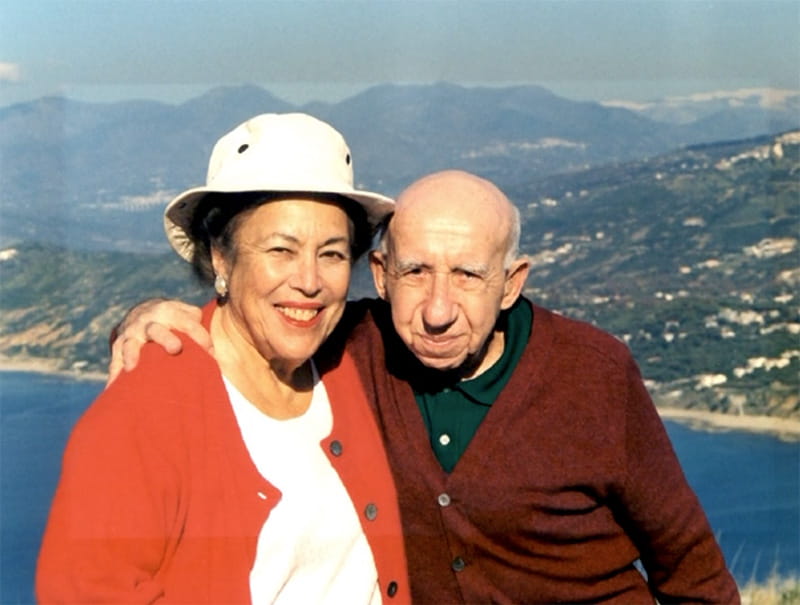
(745,109)
(96,176)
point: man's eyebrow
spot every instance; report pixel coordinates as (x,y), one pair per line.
(479,269)
(402,264)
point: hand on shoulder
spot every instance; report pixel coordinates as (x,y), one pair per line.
(155,320)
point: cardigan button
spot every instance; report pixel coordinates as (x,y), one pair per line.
(371,511)
(458,564)
(391,589)
(443,500)
(336,447)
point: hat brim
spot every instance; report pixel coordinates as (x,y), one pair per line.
(179,213)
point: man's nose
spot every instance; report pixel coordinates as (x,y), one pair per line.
(440,309)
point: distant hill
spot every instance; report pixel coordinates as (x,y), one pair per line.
(96,176)
(59,305)
(691,257)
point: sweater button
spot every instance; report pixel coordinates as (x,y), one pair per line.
(391,589)
(371,511)
(458,564)
(444,500)
(336,448)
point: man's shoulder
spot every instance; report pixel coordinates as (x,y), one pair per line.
(363,317)
(355,313)
(368,334)
(562,332)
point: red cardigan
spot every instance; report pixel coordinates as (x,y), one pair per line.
(569,479)
(160,501)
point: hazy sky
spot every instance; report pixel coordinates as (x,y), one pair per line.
(171,50)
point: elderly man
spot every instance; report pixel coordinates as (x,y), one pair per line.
(530,461)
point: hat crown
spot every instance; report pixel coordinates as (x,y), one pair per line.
(292,152)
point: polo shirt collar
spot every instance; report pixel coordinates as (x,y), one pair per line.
(516,326)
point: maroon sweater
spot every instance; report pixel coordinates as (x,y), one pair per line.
(568,481)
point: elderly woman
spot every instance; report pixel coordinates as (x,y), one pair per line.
(256,474)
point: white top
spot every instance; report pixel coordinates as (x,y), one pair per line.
(311,548)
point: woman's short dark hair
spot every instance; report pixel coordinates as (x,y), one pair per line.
(219,215)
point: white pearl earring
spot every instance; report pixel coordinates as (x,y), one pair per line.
(221,286)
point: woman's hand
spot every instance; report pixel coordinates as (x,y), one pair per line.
(154,320)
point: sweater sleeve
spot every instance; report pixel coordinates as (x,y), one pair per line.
(112,519)
(678,550)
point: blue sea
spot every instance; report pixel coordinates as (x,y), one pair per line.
(748,483)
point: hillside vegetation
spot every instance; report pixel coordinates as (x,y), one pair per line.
(691,258)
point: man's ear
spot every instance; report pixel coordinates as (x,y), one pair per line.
(515,281)
(377,264)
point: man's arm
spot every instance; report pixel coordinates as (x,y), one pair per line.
(154,319)
(679,551)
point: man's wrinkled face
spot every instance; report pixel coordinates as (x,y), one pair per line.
(443,273)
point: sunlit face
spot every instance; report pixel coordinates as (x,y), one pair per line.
(288,278)
(443,274)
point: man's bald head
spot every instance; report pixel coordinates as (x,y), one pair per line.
(448,265)
(452,193)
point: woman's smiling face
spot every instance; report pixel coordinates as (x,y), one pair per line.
(288,276)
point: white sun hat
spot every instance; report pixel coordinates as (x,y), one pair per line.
(291,152)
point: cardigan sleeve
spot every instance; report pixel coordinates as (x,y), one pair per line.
(678,549)
(111,522)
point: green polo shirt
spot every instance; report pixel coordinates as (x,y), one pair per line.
(453,413)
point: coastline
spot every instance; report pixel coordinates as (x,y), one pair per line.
(50,367)
(786,429)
